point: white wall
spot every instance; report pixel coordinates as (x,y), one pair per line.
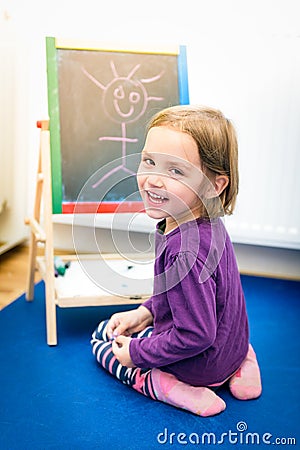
(243,57)
(14,133)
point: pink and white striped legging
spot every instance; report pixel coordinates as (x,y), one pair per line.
(138,379)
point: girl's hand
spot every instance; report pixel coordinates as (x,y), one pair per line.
(128,322)
(120,348)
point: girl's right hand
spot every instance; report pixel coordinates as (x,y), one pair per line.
(128,322)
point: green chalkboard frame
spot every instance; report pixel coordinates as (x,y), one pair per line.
(53,45)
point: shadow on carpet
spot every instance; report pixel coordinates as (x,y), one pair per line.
(58,398)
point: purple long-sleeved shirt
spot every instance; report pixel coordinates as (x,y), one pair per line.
(200,321)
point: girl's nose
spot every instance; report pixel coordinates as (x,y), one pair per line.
(155,180)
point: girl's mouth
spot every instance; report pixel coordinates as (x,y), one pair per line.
(155,198)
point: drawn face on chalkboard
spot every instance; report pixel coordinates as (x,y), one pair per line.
(125,100)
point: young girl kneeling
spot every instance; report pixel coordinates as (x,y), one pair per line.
(192,335)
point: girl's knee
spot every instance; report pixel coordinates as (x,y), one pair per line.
(100,341)
(100,332)
(102,351)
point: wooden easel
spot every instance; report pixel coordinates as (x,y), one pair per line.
(42,232)
(45,236)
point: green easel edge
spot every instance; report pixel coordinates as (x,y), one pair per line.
(53,110)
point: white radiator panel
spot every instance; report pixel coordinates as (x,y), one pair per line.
(256,84)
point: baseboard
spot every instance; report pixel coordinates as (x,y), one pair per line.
(268,261)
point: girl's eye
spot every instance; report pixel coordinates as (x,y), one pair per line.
(176,172)
(149,162)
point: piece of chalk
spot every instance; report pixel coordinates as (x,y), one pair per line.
(114,336)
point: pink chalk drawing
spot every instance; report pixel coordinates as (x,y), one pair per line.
(125,100)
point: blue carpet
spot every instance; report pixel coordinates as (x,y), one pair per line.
(58,398)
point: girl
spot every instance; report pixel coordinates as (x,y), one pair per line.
(192,334)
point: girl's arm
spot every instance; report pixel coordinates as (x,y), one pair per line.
(128,322)
(192,326)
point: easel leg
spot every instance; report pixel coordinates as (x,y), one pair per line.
(49,252)
(50,311)
(32,267)
(35,237)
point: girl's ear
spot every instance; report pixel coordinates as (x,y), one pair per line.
(217,186)
(221,183)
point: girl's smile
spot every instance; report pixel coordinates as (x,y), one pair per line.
(155,198)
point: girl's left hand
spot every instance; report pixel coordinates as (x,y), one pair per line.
(120,348)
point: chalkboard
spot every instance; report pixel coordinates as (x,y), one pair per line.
(100,100)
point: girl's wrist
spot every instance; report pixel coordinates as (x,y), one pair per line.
(145,314)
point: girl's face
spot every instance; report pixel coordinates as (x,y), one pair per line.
(170,176)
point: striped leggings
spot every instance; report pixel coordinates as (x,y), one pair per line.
(138,379)
(155,383)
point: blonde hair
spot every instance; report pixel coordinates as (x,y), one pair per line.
(216,140)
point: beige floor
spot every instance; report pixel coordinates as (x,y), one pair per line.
(13,274)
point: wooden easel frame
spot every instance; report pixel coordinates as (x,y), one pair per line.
(44,234)
(38,234)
